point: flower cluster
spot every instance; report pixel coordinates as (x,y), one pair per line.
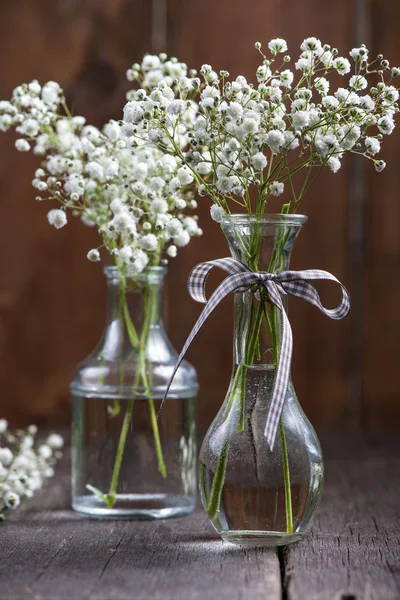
(134,195)
(24,463)
(236,135)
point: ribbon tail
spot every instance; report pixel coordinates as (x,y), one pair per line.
(282,374)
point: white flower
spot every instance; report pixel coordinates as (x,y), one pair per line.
(184,175)
(125,254)
(324,144)
(390,95)
(351,134)
(150,62)
(226,184)
(182,239)
(159,206)
(311,43)
(93,255)
(330,102)
(286,78)
(300,119)
(117,206)
(57,218)
(95,170)
(6,456)
(203,168)
(112,130)
(235,110)
(50,92)
(359,54)
(3,425)
(379,166)
(372,145)
(259,161)
(304,64)
(133,112)
(277,45)
(22,145)
(11,500)
(55,441)
(172,251)
(322,85)
(334,164)
(217,213)
(249,126)
(30,127)
(325,56)
(45,451)
(34,87)
(149,242)
(275,140)
(386,125)
(276,188)
(5,122)
(367,103)
(342,65)
(174,227)
(358,82)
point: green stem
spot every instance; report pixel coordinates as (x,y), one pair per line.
(286,476)
(140,346)
(285,456)
(212,507)
(120,452)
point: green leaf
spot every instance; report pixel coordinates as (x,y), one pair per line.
(97,493)
(285,209)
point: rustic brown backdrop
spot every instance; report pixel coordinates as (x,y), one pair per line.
(52,301)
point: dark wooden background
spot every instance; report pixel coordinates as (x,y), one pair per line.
(52,300)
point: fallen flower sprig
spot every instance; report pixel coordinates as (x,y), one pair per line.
(25,463)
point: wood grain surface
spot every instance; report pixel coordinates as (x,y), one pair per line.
(47,552)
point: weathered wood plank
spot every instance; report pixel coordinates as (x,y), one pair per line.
(47,552)
(353,550)
(382,252)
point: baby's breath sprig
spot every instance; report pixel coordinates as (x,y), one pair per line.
(24,463)
(135,195)
(234,136)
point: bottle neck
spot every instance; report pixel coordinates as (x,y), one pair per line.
(264,243)
(136,304)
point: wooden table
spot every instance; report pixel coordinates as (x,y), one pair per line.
(47,552)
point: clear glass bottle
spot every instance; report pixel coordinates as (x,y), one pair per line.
(252,495)
(125,461)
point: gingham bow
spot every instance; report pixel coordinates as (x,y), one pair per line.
(240,279)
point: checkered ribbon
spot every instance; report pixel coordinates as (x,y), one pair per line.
(240,279)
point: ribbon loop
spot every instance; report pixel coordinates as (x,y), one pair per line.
(240,279)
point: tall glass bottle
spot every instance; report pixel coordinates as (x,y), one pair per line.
(125,461)
(252,495)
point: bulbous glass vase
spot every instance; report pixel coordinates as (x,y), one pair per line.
(254,495)
(125,461)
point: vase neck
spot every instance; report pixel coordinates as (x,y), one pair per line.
(136,302)
(264,243)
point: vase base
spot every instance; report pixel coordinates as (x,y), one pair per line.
(259,538)
(136,506)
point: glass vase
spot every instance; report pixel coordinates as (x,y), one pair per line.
(126,462)
(254,495)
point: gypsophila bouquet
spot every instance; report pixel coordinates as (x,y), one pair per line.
(245,142)
(263,135)
(135,195)
(25,464)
